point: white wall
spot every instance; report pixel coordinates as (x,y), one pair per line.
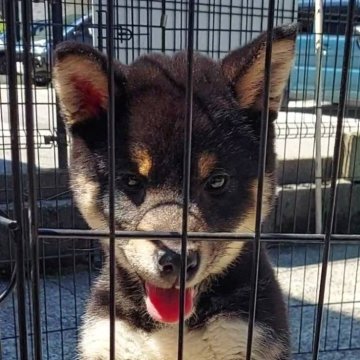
(218,28)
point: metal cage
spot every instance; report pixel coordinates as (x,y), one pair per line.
(25,192)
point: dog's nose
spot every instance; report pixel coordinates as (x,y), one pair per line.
(169,263)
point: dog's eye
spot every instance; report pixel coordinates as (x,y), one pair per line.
(217,182)
(132,182)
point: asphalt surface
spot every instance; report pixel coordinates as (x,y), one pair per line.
(63,297)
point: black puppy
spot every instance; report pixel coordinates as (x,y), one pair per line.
(149,112)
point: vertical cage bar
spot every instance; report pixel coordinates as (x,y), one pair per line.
(16,176)
(100,27)
(57,32)
(261,177)
(334,176)
(31,175)
(186,171)
(163,25)
(111,167)
(318,20)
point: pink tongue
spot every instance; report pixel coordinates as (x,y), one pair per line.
(163,304)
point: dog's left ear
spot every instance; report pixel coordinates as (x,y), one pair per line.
(245,68)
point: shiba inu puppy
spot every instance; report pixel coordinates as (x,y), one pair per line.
(149,115)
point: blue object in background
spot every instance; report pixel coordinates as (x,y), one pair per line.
(303,75)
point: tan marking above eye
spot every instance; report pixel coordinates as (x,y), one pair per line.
(206,164)
(143,160)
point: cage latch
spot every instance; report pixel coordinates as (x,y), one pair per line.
(163,20)
(48,139)
(7,224)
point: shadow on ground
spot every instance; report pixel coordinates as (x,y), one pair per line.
(64,294)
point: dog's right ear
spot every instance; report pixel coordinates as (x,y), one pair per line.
(80,81)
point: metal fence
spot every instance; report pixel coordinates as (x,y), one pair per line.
(47,254)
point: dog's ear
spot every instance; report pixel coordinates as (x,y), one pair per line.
(244,68)
(80,81)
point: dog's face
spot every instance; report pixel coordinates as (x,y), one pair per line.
(149,115)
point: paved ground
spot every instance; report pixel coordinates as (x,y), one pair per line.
(63,299)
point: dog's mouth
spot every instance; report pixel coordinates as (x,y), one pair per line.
(163,305)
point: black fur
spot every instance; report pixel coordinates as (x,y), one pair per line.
(149,115)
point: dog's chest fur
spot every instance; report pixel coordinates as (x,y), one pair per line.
(221,339)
